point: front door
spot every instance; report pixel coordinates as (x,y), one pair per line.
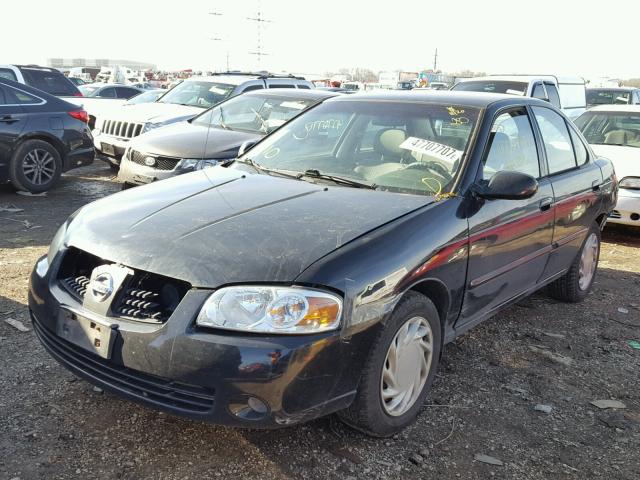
(509,240)
(12,121)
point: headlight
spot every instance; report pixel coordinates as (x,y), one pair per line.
(273,309)
(151,126)
(198,164)
(632,183)
(57,242)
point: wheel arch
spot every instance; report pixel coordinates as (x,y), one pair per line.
(436,291)
(45,137)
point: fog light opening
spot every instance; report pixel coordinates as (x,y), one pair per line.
(249,408)
(635,216)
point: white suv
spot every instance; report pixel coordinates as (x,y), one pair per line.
(114,130)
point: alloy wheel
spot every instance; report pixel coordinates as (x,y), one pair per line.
(39,166)
(406,366)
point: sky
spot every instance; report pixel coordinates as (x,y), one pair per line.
(563,37)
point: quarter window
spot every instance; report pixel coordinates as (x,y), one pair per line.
(8,74)
(18,97)
(581,151)
(513,146)
(556,138)
(538,92)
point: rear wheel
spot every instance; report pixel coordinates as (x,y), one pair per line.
(400,369)
(35,166)
(574,285)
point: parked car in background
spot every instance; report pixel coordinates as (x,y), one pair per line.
(213,137)
(613,96)
(109,90)
(41,136)
(189,98)
(613,131)
(326,267)
(77,81)
(566,93)
(46,79)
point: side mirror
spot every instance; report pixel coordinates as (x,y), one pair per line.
(246,146)
(507,185)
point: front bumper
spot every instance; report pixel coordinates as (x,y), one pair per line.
(110,148)
(136,174)
(205,374)
(627,211)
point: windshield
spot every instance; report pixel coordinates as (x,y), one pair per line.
(198,93)
(146,97)
(610,128)
(394,146)
(492,86)
(607,97)
(253,113)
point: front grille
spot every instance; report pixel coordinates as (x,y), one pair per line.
(144,296)
(146,388)
(615,214)
(117,128)
(161,163)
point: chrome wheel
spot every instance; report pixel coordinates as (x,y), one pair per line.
(406,366)
(39,166)
(588,261)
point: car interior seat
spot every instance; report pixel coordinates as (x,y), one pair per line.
(387,145)
(620,137)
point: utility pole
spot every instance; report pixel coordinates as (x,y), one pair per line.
(260,21)
(218,39)
(435,61)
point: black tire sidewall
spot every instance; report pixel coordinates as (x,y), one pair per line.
(16,174)
(412,305)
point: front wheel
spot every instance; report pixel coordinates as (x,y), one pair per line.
(574,285)
(399,371)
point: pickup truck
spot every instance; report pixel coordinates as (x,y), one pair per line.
(566,93)
(113,131)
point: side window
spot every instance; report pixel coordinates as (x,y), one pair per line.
(281,85)
(552,92)
(512,146)
(107,93)
(124,92)
(253,87)
(8,74)
(538,92)
(578,146)
(19,97)
(556,138)
(3,97)
(303,86)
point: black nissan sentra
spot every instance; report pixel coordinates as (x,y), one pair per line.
(324,270)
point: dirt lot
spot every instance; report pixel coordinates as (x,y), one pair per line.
(483,401)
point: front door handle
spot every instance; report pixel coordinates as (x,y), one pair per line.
(8,119)
(545,204)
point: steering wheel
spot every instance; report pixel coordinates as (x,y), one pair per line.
(434,167)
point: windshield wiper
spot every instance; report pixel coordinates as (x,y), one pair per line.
(222,123)
(313,173)
(260,168)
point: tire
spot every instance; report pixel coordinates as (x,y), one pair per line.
(370,412)
(114,167)
(573,286)
(35,166)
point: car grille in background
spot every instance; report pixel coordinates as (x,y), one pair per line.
(144,296)
(161,163)
(615,214)
(120,129)
(147,388)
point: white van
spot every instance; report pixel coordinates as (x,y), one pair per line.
(566,93)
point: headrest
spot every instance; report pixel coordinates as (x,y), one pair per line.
(389,141)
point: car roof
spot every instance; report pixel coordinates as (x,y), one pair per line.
(470,99)
(294,93)
(524,78)
(240,78)
(613,89)
(615,108)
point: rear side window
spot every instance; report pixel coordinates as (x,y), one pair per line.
(18,97)
(581,151)
(49,81)
(556,138)
(253,87)
(281,85)
(552,93)
(3,96)
(8,74)
(538,92)
(304,86)
(109,92)
(125,92)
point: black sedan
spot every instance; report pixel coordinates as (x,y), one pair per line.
(324,270)
(41,136)
(214,136)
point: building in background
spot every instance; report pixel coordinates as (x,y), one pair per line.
(66,64)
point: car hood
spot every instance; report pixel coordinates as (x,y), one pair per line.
(154,112)
(188,140)
(626,160)
(220,226)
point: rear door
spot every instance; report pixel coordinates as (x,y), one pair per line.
(576,181)
(510,240)
(12,122)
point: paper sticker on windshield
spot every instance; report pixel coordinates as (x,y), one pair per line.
(218,90)
(436,150)
(295,105)
(510,91)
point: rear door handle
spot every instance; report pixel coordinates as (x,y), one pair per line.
(545,204)
(595,185)
(8,119)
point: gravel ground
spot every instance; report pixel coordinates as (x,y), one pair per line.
(537,353)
